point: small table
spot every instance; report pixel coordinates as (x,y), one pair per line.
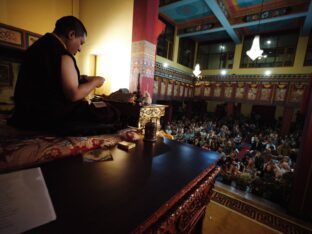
(138,116)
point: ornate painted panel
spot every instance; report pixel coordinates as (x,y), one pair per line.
(190,92)
(11,36)
(176,89)
(207,90)
(16,37)
(280,89)
(252,92)
(197,91)
(217,90)
(240,90)
(163,86)
(169,91)
(181,90)
(266,92)
(228,90)
(296,93)
(280,93)
(186,90)
(156,86)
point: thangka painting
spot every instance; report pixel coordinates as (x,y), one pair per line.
(252,92)
(280,93)
(228,91)
(169,91)
(240,91)
(163,88)
(190,94)
(296,93)
(217,90)
(175,90)
(186,90)
(156,87)
(266,92)
(197,91)
(207,91)
(181,90)
(10,36)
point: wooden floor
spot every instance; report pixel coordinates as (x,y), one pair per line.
(232,211)
(220,219)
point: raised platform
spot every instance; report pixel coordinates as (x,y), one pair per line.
(160,187)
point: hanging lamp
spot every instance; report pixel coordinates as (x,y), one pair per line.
(197,71)
(255,50)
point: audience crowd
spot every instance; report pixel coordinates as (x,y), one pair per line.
(247,147)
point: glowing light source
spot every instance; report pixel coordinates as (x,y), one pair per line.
(113,67)
(268,72)
(223,72)
(165,65)
(255,51)
(197,71)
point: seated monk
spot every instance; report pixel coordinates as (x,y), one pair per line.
(50,93)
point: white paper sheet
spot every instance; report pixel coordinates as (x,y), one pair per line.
(24,201)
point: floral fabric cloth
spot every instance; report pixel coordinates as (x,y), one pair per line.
(19,149)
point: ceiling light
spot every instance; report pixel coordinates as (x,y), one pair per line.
(267,72)
(268,42)
(255,50)
(165,65)
(223,72)
(197,71)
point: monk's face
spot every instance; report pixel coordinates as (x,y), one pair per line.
(74,43)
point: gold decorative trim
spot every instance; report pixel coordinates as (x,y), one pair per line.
(151,113)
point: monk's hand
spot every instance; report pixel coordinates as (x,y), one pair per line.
(98,80)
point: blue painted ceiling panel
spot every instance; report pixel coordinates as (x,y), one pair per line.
(249,3)
(275,26)
(237,17)
(187,11)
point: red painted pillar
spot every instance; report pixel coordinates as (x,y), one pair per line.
(300,202)
(237,109)
(287,118)
(146,28)
(189,109)
(230,109)
(305,99)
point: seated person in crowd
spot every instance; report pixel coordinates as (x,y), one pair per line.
(269,170)
(284,148)
(50,92)
(284,165)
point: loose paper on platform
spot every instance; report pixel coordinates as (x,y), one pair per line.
(24,201)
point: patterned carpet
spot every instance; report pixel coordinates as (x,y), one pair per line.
(276,222)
